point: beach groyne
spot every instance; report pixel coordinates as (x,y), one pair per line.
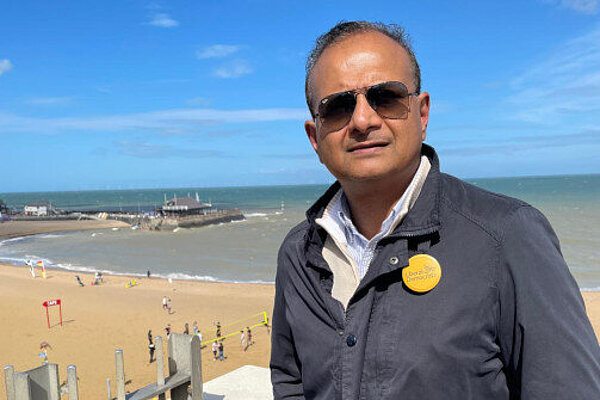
(210,219)
(172,222)
(30,225)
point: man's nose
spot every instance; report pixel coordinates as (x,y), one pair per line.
(364,118)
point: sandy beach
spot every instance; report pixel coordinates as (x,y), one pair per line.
(25,228)
(101,319)
(104,318)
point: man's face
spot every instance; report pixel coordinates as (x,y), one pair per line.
(369,147)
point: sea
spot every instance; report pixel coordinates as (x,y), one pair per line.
(246,251)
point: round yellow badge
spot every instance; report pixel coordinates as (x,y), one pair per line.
(422,274)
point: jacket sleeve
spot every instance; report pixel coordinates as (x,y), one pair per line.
(286,373)
(548,345)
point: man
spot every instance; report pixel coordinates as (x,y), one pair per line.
(215,348)
(406,283)
(151,346)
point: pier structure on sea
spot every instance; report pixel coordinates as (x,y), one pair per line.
(185,206)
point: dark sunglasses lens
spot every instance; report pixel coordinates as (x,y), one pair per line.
(336,111)
(389,99)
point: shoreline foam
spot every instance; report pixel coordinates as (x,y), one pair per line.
(175,276)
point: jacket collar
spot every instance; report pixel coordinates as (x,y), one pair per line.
(423,218)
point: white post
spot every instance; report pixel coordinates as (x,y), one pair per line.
(196,369)
(9,380)
(160,365)
(120,369)
(108,388)
(160,361)
(72,382)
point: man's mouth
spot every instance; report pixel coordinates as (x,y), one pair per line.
(366,147)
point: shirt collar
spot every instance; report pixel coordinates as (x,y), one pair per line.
(337,218)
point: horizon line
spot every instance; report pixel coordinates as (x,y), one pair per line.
(282,185)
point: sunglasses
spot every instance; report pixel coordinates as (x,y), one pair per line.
(388,99)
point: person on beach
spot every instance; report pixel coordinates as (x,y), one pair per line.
(151,347)
(405,282)
(78,279)
(29,263)
(148,274)
(243,340)
(164,303)
(215,349)
(169,306)
(186,329)
(218,329)
(195,327)
(249,336)
(44,346)
(221,351)
(98,278)
(168,330)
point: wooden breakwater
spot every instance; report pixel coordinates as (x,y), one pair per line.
(210,219)
(151,221)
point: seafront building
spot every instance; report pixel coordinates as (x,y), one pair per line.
(40,208)
(184,206)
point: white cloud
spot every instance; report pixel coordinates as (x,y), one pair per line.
(563,85)
(5,66)
(166,122)
(581,6)
(147,150)
(234,69)
(163,21)
(48,101)
(217,51)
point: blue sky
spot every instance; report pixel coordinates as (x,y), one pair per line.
(142,94)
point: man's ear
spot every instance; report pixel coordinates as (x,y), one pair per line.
(311,131)
(424,107)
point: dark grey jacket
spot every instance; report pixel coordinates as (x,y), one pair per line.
(506,321)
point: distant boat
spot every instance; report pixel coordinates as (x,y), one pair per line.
(176,229)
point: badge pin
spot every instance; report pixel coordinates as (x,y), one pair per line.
(422,274)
